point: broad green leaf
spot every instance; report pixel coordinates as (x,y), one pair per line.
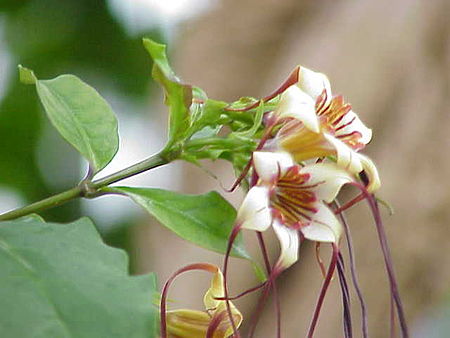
(178,96)
(61,280)
(205,220)
(80,115)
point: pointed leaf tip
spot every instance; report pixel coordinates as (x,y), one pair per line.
(158,54)
(82,117)
(178,96)
(26,75)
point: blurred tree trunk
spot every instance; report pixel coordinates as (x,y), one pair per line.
(391,61)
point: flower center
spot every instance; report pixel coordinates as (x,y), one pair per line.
(293,201)
(303,143)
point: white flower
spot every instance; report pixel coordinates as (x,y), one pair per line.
(316,124)
(292,198)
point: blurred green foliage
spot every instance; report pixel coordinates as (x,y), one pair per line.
(55,37)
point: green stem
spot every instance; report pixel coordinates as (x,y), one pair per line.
(46,203)
(90,189)
(211,142)
(147,164)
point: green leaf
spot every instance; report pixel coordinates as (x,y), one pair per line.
(208,115)
(61,280)
(178,96)
(205,220)
(206,132)
(80,115)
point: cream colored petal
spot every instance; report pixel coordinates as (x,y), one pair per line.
(254,213)
(347,158)
(372,173)
(215,290)
(326,179)
(187,323)
(297,104)
(270,165)
(289,243)
(324,227)
(313,83)
(353,123)
(225,329)
(217,307)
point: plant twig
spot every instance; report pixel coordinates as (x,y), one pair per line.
(89,189)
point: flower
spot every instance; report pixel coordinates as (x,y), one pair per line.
(185,323)
(317,124)
(292,198)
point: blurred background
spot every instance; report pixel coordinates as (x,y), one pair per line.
(391,60)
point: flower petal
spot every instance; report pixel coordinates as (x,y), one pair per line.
(289,243)
(225,328)
(187,323)
(313,83)
(372,173)
(215,290)
(347,158)
(219,308)
(324,227)
(326,179)
(352,123)
(270,165)
(254,213)
(297,104)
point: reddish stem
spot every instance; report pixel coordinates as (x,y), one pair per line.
(244,292)
(355,281)
(292,79)
(349,204)
(323,291)
(163,309)
(233,235)
(345,298)
(214,324)
(387,257)
(261,143)
(259,307)
(263,248)
(269,284)
(392,316)
(319,260)
(273,275)
(276,301)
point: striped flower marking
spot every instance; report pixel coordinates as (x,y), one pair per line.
(293,199)
(316,124)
